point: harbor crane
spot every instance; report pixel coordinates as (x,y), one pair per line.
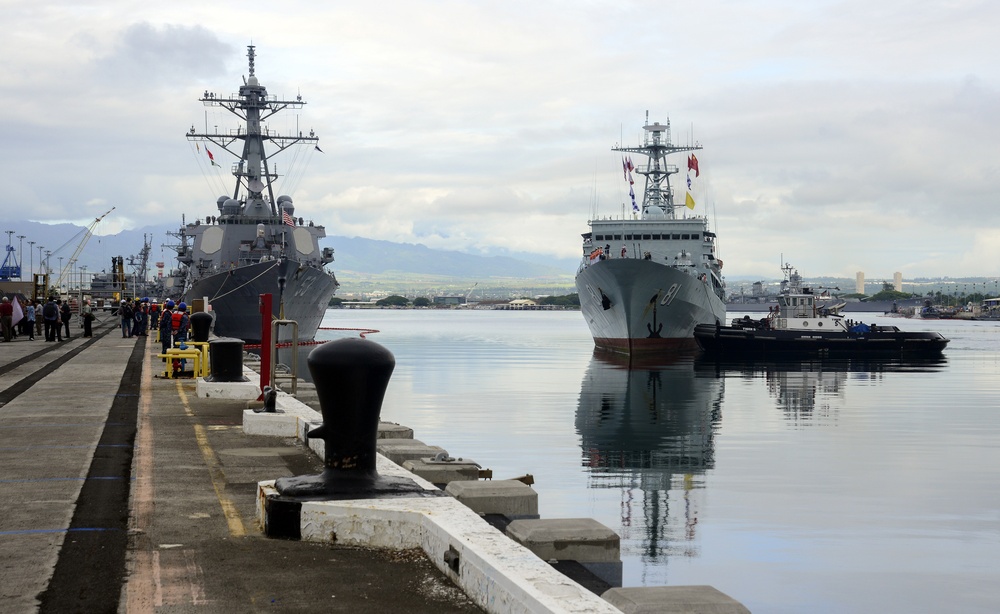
(79,248)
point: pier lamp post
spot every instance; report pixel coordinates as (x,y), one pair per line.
(31,257)
(20,256)
(48,254)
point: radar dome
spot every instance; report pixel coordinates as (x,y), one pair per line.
(221,201)
(284,198)
(231,206)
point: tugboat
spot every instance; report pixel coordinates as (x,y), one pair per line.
(255,244)
(800,327)
(666,278)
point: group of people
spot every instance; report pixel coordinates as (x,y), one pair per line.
(171,320)
(55,315)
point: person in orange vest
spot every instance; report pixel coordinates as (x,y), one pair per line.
(180,322)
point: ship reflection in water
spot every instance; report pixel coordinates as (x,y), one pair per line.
(649,430)
(809,392)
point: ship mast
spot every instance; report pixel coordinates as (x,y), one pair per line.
(657,146)
(253,174)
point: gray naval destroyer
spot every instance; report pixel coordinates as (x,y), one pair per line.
(239,253)
(648,296)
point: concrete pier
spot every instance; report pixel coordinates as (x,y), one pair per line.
(120,491)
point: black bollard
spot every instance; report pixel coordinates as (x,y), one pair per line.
(351,377)
(226,359)
(201,325)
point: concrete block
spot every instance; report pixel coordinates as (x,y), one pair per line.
(402,452)
(508,498)
(567,539)
(391,430)
(443,472)
(388,443)
(583,540)
(244,391)
(272,425)
(667,599)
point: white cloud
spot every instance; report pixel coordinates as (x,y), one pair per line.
(847,135)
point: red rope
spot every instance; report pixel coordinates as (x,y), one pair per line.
(361,331)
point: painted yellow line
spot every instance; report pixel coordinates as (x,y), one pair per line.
(236,528)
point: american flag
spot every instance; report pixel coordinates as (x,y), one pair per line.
(287,219)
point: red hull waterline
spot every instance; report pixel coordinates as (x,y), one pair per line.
(646,346)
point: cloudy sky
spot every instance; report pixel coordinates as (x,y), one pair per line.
(846,135)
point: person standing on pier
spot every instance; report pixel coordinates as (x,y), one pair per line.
(166,325)
(88,319)
(29,320)
(181,322)
(38,317)
(141,318)
(65,314)
(6,318)
(50,312)
(125,314)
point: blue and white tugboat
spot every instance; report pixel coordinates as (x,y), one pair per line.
(648,277)
(800,327)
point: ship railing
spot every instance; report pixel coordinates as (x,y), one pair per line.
(646,169)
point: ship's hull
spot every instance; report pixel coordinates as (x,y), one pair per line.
(887,341)
(637,306)
(235,298)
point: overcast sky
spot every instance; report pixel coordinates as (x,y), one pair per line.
(845,135)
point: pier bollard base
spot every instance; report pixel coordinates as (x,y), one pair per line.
(320,487)
(282,507)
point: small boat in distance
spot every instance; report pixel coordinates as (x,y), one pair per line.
(800,327)
(647,296)
(254,243)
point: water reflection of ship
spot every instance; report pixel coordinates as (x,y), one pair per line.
(803,389)
(650,428)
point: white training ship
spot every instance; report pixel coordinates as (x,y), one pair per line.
(648,278)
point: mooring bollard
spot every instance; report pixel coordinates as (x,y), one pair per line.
(351,377)
(201,325)
(226,358)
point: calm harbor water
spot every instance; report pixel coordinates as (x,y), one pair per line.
(792,487)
